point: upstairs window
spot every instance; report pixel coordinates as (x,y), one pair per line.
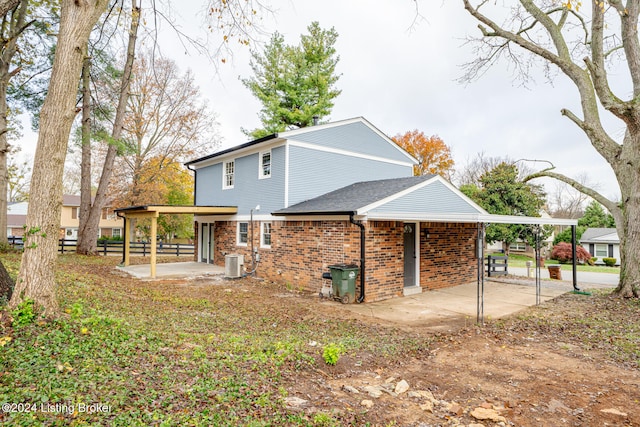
(228,174)
(265,164)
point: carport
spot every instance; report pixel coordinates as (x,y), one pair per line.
(482,220)
(153,212)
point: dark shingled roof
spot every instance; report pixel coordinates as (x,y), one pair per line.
(349,199)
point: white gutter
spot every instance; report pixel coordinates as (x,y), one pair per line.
(470,218)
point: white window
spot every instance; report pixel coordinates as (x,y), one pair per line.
(602,250)
(265,165)
(243,233)
(265,234)
(228,172)
(115,232)
(518,247)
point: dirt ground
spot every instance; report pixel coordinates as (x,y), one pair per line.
(545,366)
(525,370)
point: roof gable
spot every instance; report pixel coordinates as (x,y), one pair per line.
(600,235)
(356,135)
(427,193)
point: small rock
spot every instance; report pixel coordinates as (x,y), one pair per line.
(487,405)
(350,389)
(487,414)
(475,425)
(614,412)
(295,402)
(422,394)
(454,408)
(367,403)
(373,391)
(390,380)
(313,343)
(401,387)
(427,407)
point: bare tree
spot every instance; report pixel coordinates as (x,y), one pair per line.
(584,46)
(166,122)
(88,227)
(36,278)
(564,201)
(481,164)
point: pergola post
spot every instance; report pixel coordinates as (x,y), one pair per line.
(154,234)
(127,241)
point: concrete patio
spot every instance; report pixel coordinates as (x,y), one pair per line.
(173,270)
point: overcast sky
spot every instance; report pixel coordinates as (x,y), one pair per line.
(401,75)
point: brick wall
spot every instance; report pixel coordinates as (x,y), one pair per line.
(447,256)
(385,260)
(302,250)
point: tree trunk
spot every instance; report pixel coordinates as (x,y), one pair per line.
(628,227)
(86,243)
(6,284)
(8,45)
(36,279)
(90,230)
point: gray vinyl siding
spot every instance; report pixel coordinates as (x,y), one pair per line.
(356,137)
(248,190)
(313,173)
(434,198)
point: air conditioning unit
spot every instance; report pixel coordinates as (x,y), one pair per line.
(233,266)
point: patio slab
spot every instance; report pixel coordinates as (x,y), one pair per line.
(173,270)
(442,306)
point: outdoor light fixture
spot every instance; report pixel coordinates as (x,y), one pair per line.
(426,233)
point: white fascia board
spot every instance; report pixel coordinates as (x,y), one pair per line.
(242,152)
(292,133)
(475,218)
(346,153)
(436,178)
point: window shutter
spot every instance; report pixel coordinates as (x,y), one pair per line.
(610,251)
(591,249)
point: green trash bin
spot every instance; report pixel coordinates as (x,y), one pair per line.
(343,279)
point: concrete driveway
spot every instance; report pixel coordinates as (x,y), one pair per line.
(173,270)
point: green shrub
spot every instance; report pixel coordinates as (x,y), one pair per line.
(24,313)
(331,354)
(609,262)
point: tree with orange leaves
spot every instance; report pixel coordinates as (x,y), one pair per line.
(431,151)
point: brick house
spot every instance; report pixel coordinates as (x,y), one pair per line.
(308,198)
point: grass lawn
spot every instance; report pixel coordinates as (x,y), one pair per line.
(517,260)
(212,352)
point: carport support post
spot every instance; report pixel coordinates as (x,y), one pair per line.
(480,256)
(573,256)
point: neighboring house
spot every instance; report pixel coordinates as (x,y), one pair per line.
(336,193)
(601,243)
(110,225)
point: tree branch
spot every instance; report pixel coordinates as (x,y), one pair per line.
(610,205)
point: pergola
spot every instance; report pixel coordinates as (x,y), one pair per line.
(153,212)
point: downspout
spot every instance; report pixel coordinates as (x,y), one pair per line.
(362,254)
(124,218)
